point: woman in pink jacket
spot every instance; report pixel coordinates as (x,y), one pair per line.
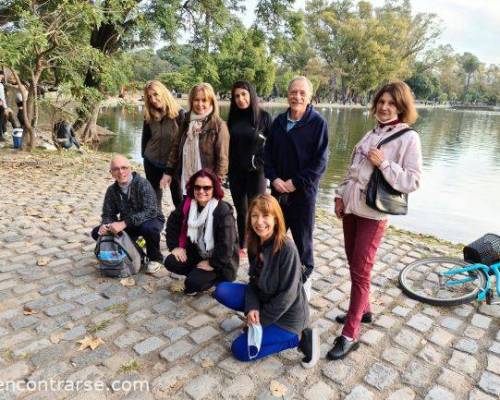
(400,162)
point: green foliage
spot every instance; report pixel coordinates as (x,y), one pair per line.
(365,47)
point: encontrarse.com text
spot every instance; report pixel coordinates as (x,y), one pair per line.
(53,385)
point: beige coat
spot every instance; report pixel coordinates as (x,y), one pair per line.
(402,168)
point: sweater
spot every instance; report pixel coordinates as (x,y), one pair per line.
(135,208)
(213,142)
(300,154)
(276,288)
(246,144)
(402,168)
(158,138)
(225,256)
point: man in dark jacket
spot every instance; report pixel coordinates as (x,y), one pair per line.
(295,158)
(130,206)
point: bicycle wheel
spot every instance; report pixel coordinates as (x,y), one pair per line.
(421,281)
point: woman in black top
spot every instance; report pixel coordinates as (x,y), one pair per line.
(249,126)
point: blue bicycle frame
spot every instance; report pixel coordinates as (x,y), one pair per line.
(483,292)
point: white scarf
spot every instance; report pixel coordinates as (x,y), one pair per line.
(191,160)
(199,222)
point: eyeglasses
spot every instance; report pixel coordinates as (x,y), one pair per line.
(199,188)
(116,169)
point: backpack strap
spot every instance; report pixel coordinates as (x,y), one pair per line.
(393,136)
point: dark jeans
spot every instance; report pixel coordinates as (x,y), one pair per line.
(244,187)
(197,280)
(7,118)
(298,211)
(150,231)
(154,175)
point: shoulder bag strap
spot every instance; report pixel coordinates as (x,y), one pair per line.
(394,136)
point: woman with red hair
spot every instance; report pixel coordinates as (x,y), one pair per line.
(201,235)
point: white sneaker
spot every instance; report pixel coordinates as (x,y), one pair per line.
(308,288)
(153,267)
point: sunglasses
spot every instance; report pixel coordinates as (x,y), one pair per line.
(199,188)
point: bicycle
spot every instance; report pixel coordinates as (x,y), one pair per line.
(444,281)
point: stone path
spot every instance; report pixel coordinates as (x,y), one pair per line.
(180,345)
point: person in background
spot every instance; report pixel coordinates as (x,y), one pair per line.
(162,120)
(296,153)
(400,161)
(274,300)
(65,135)
(130,205)
(6,114)
(249,127)
(201,235)
(203,141)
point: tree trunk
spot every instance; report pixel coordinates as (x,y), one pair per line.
(89,134)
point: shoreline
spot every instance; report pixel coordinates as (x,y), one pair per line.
(69,158)
(134,100)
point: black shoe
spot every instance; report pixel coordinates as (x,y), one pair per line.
(341,348)
(309,346)
(367,318)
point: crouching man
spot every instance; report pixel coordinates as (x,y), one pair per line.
(130,206)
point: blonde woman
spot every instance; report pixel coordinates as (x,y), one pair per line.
(204,138)
(162,121)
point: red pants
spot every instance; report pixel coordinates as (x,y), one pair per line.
(362,237)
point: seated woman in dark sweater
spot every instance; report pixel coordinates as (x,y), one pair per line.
(201,235)
(274,300)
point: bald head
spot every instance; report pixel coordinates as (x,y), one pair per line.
(119,159)
(120,168)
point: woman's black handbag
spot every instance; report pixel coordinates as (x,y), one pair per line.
(380,195)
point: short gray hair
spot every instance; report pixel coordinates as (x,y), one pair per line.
(306,80)
(118,157)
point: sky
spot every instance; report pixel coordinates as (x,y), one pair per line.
(468,25)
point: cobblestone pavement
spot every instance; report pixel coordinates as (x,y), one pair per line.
(180,345)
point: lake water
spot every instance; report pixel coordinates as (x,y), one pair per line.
(459,199)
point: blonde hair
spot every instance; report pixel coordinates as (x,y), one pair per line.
(267,205)
(170,108)
(209,93)
(403,99)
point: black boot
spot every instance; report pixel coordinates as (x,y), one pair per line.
(367,318)
(341,348)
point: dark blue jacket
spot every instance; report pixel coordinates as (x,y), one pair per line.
(300,154)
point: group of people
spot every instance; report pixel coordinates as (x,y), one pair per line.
(192,152)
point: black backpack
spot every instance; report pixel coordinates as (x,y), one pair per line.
(118,255)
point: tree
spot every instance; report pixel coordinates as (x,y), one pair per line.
(39,36)
(470,64)
(365,47)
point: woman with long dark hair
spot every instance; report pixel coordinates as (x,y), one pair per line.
(201,235)
(249,127)
(162,120)
(274,300)
(399,160)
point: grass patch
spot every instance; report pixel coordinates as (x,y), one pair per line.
(132,365)
(94,328)
(120,308)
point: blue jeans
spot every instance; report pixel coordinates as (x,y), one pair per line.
(274,338)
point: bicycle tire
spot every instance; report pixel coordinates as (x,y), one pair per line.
(419,281)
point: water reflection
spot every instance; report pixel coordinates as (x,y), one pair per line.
(459,197)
